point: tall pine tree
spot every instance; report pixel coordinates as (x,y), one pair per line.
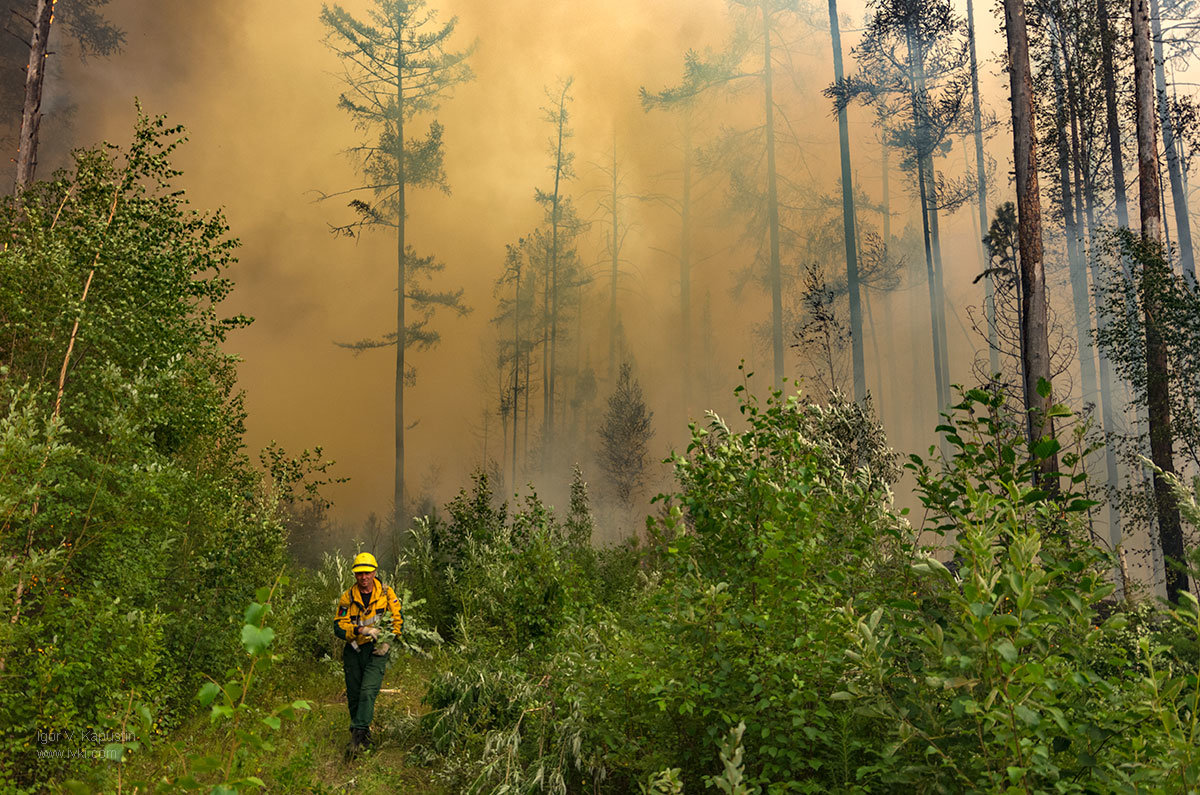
(397,69)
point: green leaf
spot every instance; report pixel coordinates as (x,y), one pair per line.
(1005,648)
(208,693)
(255,613)
(262,594)
(1046,448)
(115,751)
(1044,388)
(256,639)
(1058,410)
(1030,717)
(273,722)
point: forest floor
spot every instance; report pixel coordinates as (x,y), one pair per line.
(307,753)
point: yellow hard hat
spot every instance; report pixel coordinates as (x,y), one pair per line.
(364,561)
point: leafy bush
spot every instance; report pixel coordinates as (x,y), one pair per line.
(132,519)
(784,597)
(1004,675)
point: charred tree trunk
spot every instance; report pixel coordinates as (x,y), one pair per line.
(1035,345)
(35,77)
(848,226)
(1155,272)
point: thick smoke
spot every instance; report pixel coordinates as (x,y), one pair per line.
(257,91)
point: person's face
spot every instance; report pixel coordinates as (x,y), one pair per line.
(365,580)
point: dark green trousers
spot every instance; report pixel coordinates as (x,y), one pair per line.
(364,675)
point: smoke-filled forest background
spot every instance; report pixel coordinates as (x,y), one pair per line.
(258,92)
(751,395)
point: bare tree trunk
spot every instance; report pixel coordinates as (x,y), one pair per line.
(917,62)
(1078,269)
(1183,226)
(989,290)
(548,441)
(918,124)
(516,367)
(401,329)
(1107,396)
(1155,272)
(1120,197)
(848,226)
(545,359)
(776,272)
(1035,345)
(685,264)
(612,306)
(935,241)
(1114,127)
(35,77)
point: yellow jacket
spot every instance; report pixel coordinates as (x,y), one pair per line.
(354,611)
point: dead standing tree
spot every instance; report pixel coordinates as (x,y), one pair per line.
(30,24)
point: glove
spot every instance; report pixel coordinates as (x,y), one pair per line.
(382,649)
(369,632)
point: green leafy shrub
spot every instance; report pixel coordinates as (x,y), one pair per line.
(1003,675)
(131,518)
(783,596)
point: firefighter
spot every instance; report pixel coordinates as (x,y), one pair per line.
(359,613)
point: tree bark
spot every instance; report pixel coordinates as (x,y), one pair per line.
(1155,272)
(1035,345)
(35,77)
(848,225)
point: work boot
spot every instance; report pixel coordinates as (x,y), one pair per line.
(357,737)
(367,742)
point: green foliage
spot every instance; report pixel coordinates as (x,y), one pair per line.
(739,624)
(229,703)
(1005,675)
(787,634)
(131,518)
(625,437)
